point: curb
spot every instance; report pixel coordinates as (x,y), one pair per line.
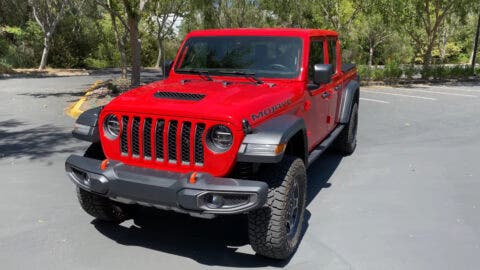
(73,110)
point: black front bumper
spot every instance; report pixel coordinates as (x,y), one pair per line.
(166,190)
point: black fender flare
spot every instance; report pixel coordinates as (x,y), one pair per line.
(278,130)
(86,126)
(351,90)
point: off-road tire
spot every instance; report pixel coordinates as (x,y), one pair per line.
(98,206)
(101,207)
(347,140)
(267,226)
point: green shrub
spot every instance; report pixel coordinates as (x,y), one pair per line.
(97,63)
(378,74)
(365,72)
(5,67)
(392,71)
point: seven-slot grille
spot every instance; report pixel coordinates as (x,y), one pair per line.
(162,140)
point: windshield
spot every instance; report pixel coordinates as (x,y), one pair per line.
(269,57)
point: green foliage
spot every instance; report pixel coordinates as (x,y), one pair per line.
(397,32)
(5,67)
(448,72)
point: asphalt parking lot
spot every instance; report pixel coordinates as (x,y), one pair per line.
(408,198)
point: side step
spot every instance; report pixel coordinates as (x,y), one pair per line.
(318,151)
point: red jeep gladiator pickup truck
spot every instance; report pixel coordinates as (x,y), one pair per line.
(231,130)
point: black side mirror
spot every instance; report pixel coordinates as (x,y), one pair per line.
(167,66)
(323,73)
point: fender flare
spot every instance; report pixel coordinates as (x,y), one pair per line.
(86,126)
(348,99)
(278,130)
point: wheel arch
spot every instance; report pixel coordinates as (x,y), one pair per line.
(285,129)
(350,96)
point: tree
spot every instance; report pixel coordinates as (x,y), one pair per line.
(340,14)
(421,20)
(115,11)
(227,14)
(47,14)
(373,32)
(475,45)
(165,15)
(134,9)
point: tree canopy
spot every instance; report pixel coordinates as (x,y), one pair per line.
(135,33)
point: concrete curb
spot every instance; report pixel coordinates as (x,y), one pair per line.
(73,110)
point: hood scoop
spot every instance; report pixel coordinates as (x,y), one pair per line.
(178,96)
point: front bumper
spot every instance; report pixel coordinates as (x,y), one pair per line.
(207,197)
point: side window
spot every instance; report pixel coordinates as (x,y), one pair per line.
(316,57)
(332,54)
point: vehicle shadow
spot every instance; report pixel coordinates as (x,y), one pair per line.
(214,242)
(320,171)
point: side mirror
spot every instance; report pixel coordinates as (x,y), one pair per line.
(167,66)
(323,73)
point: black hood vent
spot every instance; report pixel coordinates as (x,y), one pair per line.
(179,96)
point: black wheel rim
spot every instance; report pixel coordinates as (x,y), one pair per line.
(293,213)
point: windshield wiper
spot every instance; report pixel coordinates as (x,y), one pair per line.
(243,73)
(202,73)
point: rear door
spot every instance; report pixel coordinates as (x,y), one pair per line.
(336,85)
(318,95)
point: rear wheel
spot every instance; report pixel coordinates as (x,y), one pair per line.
(347,140)
(275,230)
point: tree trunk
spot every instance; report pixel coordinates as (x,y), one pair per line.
(158,63)
(46,49)
(475,45)
(370,55)
(135,50)
(123,59)
(427,57)
(120,42)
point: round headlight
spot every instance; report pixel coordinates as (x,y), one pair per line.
(111,126)
(219,138)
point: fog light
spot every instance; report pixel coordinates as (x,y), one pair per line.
(214,201)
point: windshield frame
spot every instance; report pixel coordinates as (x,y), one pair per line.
(296,75)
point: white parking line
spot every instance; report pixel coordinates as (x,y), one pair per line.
(400,95)
(455,89)
(435,92)
(375,100)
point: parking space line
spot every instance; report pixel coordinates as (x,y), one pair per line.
(435,92)
(400,95)
(375,100)
(455,88)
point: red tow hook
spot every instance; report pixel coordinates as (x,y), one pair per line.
(104,164)
(193,178)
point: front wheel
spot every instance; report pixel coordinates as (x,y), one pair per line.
(275,229)
(101,207)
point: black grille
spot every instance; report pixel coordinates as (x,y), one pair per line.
(186,142)
(178,95)
(159,140)
(198,144)
(147,142)
(147,138)
(124,139)
(135,138)
(172,141)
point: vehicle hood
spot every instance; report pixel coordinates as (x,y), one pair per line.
(224,102)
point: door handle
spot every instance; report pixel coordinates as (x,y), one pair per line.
(325,94)
(338,87)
